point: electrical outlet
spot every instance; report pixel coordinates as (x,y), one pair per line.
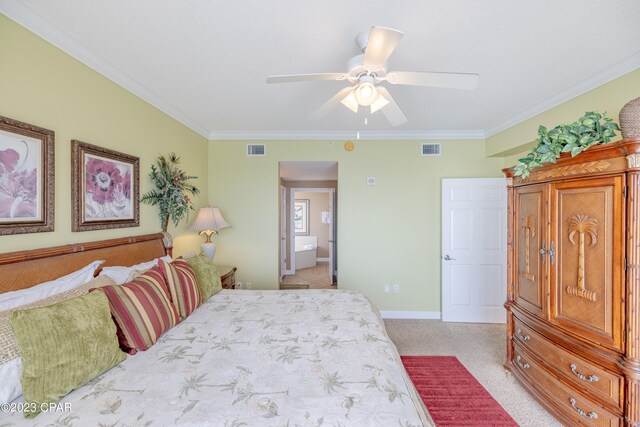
(238,285)
(396,288)
(249,285)
(387,288)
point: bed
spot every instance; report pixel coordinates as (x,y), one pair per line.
(312,357)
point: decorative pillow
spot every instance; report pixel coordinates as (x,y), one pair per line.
(123,274)
(183,286)
(14,299)
(10,361)
(64,346)
(206,274)
(142,310)
(10,388)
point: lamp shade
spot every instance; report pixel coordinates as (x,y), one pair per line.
(209,219)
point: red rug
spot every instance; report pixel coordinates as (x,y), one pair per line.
(452,395)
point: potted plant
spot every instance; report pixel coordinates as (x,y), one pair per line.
(172,189)
(591,129)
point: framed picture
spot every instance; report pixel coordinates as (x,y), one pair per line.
(301,217)
(105,188)
(26,177)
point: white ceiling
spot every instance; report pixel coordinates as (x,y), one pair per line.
(309,171)
(205,62)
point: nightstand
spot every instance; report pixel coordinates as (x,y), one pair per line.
(227,276)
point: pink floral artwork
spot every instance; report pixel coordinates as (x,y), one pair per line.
(107,185)
(20,177)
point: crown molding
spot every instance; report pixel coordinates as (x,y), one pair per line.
(621,68)
(340,135)
(44,28)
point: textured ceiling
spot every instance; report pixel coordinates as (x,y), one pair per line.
(205,62)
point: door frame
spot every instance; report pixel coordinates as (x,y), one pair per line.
(284,236)
(291,235)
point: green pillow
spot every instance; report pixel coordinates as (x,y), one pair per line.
(64,346)
(206,275)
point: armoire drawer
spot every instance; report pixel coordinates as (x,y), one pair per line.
(584,375)
(573,404)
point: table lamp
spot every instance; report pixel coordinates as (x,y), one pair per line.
(208,222)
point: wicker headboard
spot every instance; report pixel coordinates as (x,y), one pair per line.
(24,269)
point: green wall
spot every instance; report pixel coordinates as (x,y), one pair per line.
(609,97)
(387,233)
(43,86)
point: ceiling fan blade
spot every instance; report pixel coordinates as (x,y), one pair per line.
(466,81)
(382,41)
(391,111)
(288,78)
(330,104)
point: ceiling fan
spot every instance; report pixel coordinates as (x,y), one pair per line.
(369,69)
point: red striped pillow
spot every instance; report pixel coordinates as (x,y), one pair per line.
(142,310)
(183,286)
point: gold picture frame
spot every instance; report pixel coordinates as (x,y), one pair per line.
(27,178)
(105,188)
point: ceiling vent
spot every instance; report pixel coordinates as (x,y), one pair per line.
(431,149)
(256,150)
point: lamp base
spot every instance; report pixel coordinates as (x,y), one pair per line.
(209,249)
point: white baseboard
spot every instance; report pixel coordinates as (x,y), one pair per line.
(410,314)
(289,272)
(322,259)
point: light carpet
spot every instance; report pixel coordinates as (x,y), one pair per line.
(481,349)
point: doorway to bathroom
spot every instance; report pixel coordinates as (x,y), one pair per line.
(308,225)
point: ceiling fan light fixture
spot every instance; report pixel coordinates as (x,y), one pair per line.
(351,102)
(379,103)
(369,68)
(366,93)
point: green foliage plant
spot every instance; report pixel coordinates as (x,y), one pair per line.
(171,192)
(591,129)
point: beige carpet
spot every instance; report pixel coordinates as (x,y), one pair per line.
(315,277)
(481,349)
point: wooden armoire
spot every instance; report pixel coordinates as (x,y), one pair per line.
(573,277)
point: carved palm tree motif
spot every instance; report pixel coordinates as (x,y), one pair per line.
(529,232)
(581,225)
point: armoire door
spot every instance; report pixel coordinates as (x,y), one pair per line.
(587,228)
(531,229)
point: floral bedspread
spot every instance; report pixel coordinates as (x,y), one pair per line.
(256,358)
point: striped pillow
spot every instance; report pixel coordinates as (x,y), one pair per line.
(142,310)
(183,286)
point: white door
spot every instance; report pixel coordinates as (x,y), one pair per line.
(474,260)
(283,231)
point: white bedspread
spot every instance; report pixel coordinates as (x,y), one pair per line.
(256,358)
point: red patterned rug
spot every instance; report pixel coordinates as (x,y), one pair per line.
(452,395)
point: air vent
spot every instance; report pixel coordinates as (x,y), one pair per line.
(431,149)
(256,150)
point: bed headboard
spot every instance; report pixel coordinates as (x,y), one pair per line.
(24,269)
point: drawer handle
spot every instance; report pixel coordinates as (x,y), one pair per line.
(590,378)
(522,365)
(591,415)
(522,337)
